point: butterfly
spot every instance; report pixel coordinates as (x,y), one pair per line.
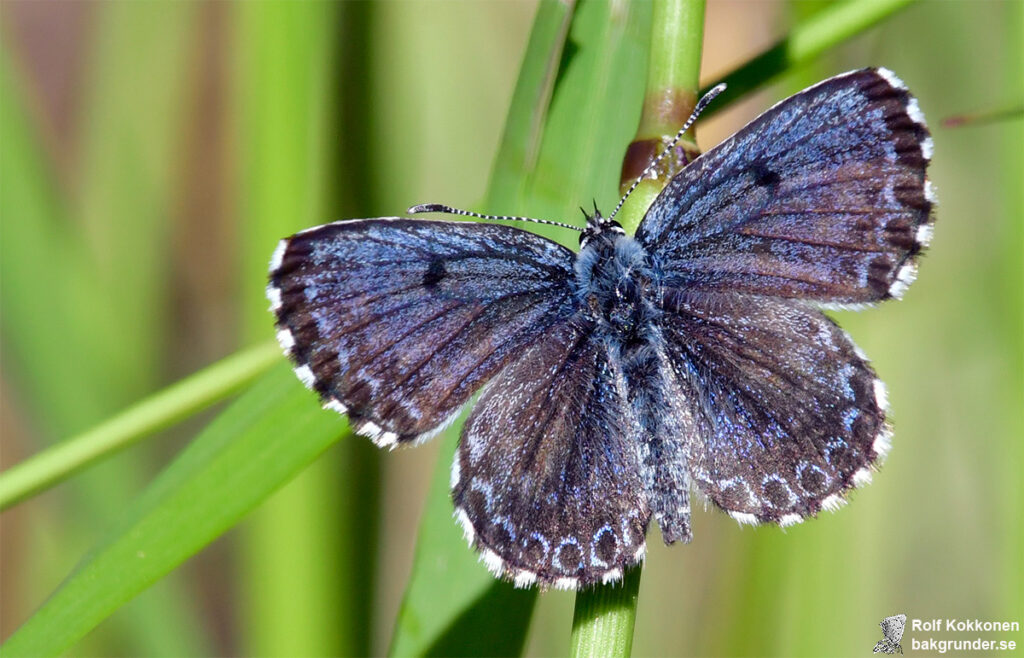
(892,629)
(614,381)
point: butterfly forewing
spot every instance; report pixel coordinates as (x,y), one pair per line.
(823,197)
(546,481)
(397,322)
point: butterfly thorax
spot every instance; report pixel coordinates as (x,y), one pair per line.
(616,284)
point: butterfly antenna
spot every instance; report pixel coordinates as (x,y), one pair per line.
(439,207)
(701,104)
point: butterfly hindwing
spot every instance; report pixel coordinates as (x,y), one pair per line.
(788,413)
(398,322)
(823,197)
(545,481)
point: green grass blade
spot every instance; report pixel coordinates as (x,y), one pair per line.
(82,320)
(260,442)
(821,31)
(602,623)
(592,113)
(130,123)
(524,126)
(148,416)
(1012,274)
(40,353)
(283,108)
(294,62)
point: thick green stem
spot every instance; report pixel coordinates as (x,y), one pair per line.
(156,412)
(673,79)
(673,74)
(603,620)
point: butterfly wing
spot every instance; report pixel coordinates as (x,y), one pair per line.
(823,197)
(545,481)
(787,413)
(892,627)
(884,646)
(398,322)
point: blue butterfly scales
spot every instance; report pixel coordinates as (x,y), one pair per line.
(616,380)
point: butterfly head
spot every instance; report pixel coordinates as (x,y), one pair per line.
(598,226)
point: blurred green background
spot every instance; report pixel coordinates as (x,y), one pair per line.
(151,155)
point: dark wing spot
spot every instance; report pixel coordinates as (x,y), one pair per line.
(607,546)
(812,479)
(777,494)
(570,557)
(535,551)
(435,272)
(763,176)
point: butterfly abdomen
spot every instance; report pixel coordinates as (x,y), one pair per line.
(620,286)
